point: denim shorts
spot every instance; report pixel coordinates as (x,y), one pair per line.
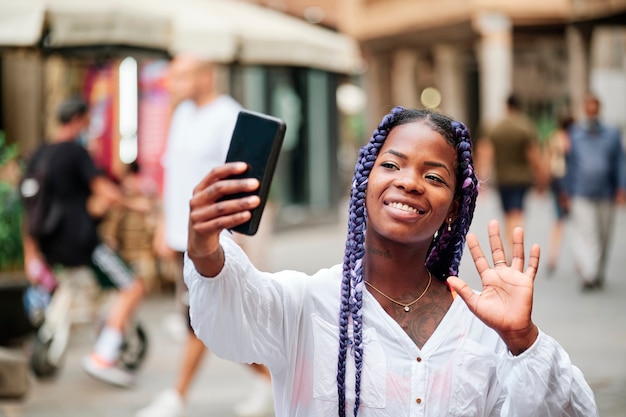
(512,197)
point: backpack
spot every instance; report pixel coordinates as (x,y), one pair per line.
(43,210)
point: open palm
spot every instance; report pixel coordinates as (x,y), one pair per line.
(505,302)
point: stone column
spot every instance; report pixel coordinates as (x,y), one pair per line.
(495,63)
(403,78)
(451,82)
(22,98)
(578,50)
(376,83)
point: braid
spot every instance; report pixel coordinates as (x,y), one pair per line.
(446,249)
(352,282)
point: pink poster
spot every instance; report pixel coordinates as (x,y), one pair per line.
(154,114)
(100,92)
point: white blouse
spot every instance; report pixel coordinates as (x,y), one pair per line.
(289,322)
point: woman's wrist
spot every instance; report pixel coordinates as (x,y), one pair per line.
(208,265)
(520,341)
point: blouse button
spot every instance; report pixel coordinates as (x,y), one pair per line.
(419,359)
(418,400)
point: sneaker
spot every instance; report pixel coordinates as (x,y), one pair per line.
(260,402)
(107,373)
(168,404)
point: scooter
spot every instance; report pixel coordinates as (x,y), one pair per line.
(76,299)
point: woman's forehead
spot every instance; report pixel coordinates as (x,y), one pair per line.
(417,139)
(415,132)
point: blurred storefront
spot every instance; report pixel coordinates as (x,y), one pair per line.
(116,53)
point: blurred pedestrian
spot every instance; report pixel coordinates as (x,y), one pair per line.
(557,147)
(595,181)
(516,160)
(392,331)
(131,232)
(72,179)
(199,138)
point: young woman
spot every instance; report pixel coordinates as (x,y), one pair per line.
(385,334)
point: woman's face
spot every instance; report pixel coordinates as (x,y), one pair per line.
(411,187)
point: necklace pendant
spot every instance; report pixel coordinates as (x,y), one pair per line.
(406,308)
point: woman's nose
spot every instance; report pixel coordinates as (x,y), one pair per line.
(410,183)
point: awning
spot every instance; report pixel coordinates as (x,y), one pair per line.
(21,23)
(222,30)
(81,23)
(265,36)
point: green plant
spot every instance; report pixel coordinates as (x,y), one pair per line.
(11,252)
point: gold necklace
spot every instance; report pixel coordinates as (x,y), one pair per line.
(406,306)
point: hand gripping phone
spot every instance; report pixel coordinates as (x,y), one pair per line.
(256,140)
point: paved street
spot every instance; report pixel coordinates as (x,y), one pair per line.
(591,326)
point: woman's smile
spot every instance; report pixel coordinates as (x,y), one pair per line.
(405,208)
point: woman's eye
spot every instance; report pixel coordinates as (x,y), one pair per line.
(435,178)
(389,165)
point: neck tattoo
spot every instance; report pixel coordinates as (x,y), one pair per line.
(407,307)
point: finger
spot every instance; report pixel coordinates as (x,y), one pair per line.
(495,242)
(207,222)
(201,213)
(224,189)
(219,173)
(480,261)
(518,249)
(464,291)
(533,261)
(220,223)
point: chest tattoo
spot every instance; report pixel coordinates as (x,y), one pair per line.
(422,320)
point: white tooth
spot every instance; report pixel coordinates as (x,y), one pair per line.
(403,207)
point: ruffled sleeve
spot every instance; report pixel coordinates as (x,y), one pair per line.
(543,382)
(242,314)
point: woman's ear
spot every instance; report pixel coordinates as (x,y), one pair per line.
(453,212)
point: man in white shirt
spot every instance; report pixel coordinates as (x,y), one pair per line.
(199,137)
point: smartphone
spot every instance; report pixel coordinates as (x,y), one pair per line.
(256,140)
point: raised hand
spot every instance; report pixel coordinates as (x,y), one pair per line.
(505,303)
(209,215)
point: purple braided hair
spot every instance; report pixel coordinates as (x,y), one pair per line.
(446,249)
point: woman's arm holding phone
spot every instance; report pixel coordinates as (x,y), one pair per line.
(210,214)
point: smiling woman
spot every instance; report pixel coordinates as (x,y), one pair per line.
(411,346)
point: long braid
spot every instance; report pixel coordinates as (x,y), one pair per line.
(446,249)
(352,282)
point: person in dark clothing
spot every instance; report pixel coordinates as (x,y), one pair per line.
(74,180)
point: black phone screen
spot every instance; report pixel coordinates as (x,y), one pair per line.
(256,140)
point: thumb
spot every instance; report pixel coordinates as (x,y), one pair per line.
(461,288)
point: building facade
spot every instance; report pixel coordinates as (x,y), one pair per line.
(465,57)
(476,53)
